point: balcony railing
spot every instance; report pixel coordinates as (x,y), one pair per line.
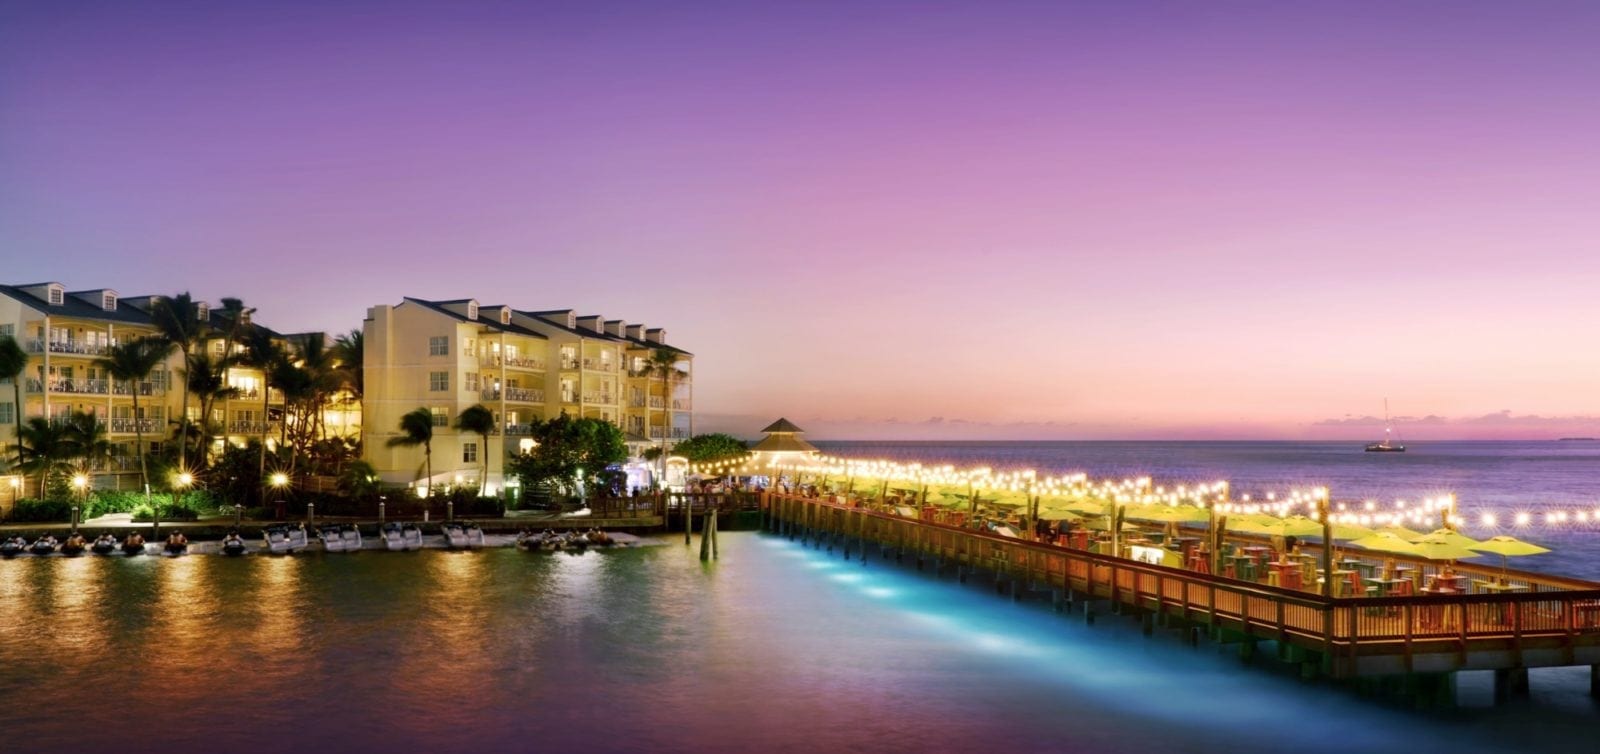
(680,404)
(247,392)
(491,360)
(519,394)
(62,422)
(636,401)
(569,397)
(598,398)
(251,428)
(66,346)
(569,363)
(75,386)
(657,402)
(129,425)
(519,429)
(603,365)
(676,433)
(143,388)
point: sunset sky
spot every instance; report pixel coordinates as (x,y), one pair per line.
(898,220)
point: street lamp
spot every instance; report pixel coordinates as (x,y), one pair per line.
(279,480)
(80,482)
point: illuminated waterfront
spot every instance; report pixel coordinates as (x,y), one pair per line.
(775,647)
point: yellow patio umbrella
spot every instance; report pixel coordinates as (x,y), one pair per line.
(1386,541)
(1505,547)
(1085,505)
(1452,536)
(1293,526)
(1435,547)
(1401,532)
(1169,514)
(1058,514)
(1345,532)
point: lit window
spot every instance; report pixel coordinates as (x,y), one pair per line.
(472,380)
(439,345)
(438,381)
(469,452)
(441,416)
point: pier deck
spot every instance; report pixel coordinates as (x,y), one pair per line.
(1556,624)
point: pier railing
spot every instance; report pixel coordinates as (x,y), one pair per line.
(1557,625)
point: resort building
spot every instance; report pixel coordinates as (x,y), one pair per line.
(522,365)
(64,334)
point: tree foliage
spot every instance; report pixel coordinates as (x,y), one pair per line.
(563,446)
(712,448)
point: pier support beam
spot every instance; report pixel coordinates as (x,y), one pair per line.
(1510,683)
(1594,681)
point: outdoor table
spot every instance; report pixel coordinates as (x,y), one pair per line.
(1185,544)
(1387,587)
(1287,573)
(1495,587)
(1457,583)
(1244,566)
(1341,581)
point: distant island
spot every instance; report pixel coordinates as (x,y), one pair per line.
(1577,439)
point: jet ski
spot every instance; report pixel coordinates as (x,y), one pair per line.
(398,536)
(462,536)
(284,539)
(105,544)
(176,545)
(74,545)
(10,546)
(340,537)
(43,545)
(233,544)
(133,545)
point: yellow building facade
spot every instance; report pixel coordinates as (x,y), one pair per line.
(522,365)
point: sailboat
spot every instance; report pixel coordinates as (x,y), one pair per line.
(1388,445)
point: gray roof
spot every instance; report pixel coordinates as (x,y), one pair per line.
(71,306)
(439,306)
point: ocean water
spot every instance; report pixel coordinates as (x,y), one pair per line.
(1503,478)
(776,647)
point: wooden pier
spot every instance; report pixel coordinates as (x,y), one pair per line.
(1555,624)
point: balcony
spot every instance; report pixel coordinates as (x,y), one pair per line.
(603,365)
(251,428)
(605,398)
(636,402)
(569,363)
(519,429)
(142,388)
(676,433)
(491,360)
(246,392)
(569,397)
(128,425)
(69,347)
(680,404)
(75,387)
(657,402)
(518,394)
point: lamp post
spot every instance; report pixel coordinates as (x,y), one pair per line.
(179,483)
(80,483)
(279,480)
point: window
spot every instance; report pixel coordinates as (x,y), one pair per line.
(469,452)
(202,311)
(505,316)
(9,331)
(472,310)
(469,347)
(438,382)
(108,301)
(56,295)
(441,416)
(472,381)
(439,345)
(5,414)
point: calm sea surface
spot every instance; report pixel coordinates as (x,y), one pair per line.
(775,647)
(1498,477)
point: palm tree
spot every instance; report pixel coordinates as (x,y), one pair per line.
(178,319)
(479,421)
(351,350)
(131,363)
(416,428)
(262,352)
(84,441)
(13,362)
(207,378)
(662,363)
(40,449)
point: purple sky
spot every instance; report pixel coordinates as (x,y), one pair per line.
(1026,219)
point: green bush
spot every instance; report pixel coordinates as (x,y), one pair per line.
(169,512)
(102,502)
(41,511)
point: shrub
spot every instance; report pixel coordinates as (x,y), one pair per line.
(103,502)
(40,511)
(169,512)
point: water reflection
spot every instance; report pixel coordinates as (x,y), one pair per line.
(77,612)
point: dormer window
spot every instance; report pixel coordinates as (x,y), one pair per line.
(202,311)
(505,316)
(108,301)
(572,321)
(472,310)
(56,295)
(244,317)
